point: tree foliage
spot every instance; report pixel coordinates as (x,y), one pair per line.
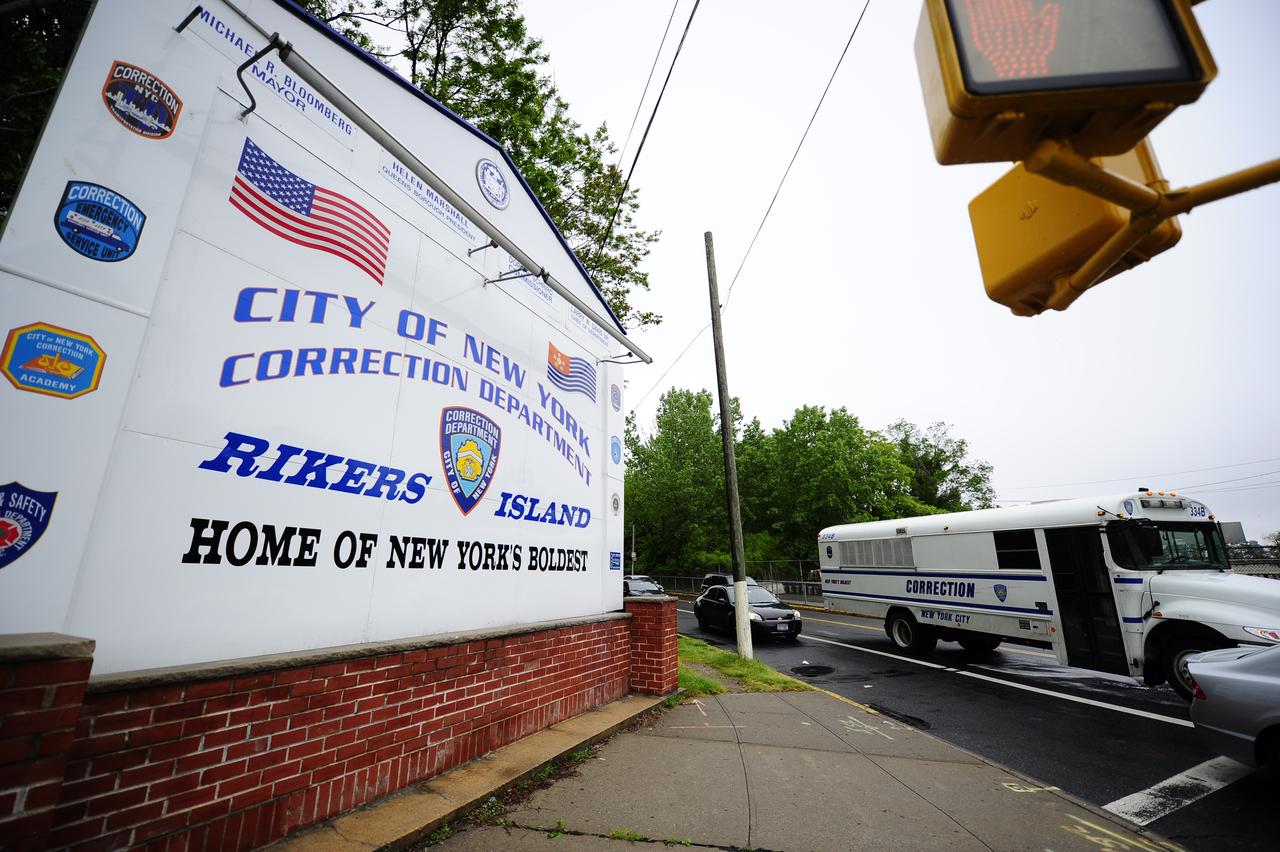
(941,473)
(39,40)
(477,58)
(818,469)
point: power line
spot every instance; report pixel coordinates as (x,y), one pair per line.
(1144,476)
(608,231)
(765,218)
(728,295)
(648,80)
(1225,481)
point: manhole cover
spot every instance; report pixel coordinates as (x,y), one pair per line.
(812,671)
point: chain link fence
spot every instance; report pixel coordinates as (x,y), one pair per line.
(792,580)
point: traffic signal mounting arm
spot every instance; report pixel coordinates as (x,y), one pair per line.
(1149,206)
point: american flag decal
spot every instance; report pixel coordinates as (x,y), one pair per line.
(306,214)
(575,375)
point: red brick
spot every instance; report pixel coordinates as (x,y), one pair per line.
(112,702)
(252,682)
(72,833)
(249,798)
(178,748)
(39,721)
(171,787)
(97,745)
(174,712)
(223,772)
(152,734)
(156,696)
(249,748)
(307,687)
(159,828)
(134,816)
(221,738)
(288,785)
(213,810)
(146,773)
(42,796)
(21,700)
(58,742)
(201,760)
(18,748)
(203,724)
(31,772)
(52,671)
(192,798)
(287,708)
(283,770)
(236,786)
(115,802)
(293,676)
(118,761)
(208,688)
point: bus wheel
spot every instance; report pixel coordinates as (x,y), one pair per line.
(979,643)
(909,636)
(1175,655)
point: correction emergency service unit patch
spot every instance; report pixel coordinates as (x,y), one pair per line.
(141,101)
(97,222)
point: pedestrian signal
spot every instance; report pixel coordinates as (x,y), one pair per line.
(1032,233)
(1001,75)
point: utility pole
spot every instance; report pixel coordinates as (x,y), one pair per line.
(633,547)
(741,620)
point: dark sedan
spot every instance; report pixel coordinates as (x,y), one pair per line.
(770,617)
(639,584)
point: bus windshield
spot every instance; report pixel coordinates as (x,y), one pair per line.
(1146,546)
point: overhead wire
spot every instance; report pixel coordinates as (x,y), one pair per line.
(1145,476)
(729,294)
(640,103)
(608,232)
(769,209)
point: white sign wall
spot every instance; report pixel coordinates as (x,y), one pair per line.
(260,397)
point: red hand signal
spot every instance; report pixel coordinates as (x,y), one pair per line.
(1013,37)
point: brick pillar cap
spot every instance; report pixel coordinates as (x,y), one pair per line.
(644,599)
(16,647)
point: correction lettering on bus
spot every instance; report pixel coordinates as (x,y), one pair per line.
(943,588)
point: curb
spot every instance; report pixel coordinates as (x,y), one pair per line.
(408,817)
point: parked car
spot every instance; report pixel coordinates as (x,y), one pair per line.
(1236,702)
(722,580)
(770,617)
(639,584)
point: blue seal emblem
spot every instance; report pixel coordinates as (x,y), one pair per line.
(1128,507)
(1002,591)
(615,397)
(615,450)
(469,447)
(493,183)
(24,516)
(141,101)
(97,222)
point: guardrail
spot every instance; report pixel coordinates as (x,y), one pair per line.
(792,591)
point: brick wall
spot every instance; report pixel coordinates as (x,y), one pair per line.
(42,684)
(654,661)
(184,759)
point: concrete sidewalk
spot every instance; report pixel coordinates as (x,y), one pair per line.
(795,771)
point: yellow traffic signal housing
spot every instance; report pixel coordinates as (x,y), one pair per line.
(1030,230)
(1001,75)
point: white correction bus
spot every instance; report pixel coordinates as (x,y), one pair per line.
(1130,584)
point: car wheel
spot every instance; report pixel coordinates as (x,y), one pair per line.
(1175,656)
(979,643)
(907,635)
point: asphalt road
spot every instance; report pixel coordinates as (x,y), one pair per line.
(1099,737)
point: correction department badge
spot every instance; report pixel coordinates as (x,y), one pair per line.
(97,222)
(1002,591)
(469,447)
(141,101)
(615,397)
(615,450)
(24,516)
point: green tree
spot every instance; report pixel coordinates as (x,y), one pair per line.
(39,39)
(829,470)
(942,474)
(477,58)
(675,487)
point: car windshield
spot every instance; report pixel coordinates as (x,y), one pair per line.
(1165,545)
(642,585)
(756,596)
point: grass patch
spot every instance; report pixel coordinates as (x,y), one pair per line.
(752,675)
(624,834)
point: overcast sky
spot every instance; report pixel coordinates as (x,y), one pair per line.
(863,290)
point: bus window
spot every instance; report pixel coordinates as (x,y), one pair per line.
(1145,546)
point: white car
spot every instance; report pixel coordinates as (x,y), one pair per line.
(1236,702)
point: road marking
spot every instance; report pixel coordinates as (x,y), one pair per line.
(1169,795)
(1025,687)
(1107,839)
